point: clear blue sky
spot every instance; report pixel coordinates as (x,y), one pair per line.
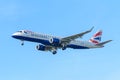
(59,18)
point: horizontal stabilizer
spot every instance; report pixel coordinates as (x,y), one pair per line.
(101,44)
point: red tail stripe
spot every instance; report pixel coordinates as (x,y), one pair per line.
(98,34)
(93,41)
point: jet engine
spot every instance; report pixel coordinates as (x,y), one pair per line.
(44,48)
(41,47)
(55,41)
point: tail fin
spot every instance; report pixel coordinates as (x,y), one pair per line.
(96,38)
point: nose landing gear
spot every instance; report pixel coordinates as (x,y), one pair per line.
(22,43)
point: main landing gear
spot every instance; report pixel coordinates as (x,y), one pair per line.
(64,46)
(54,52)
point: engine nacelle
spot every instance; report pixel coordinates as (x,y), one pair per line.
(55,41)
(41,47)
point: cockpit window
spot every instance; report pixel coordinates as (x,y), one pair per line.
(25,32)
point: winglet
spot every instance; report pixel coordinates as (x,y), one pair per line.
(91,29)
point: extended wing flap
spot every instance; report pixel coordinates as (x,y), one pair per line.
(50,48)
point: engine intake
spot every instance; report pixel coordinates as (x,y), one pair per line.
(41,47)
(55,41)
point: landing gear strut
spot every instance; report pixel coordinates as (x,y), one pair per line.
(22,43)
(64,47)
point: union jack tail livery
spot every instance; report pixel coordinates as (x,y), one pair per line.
(96,37)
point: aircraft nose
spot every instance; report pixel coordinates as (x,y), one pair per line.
(14,35)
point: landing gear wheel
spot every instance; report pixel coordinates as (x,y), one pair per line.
(54,52)
(64,48)
(22,43)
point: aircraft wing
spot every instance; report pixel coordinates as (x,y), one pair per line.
(73,37)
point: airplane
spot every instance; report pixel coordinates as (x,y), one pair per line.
(52,43)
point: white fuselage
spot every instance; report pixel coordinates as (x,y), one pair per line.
(48,40)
